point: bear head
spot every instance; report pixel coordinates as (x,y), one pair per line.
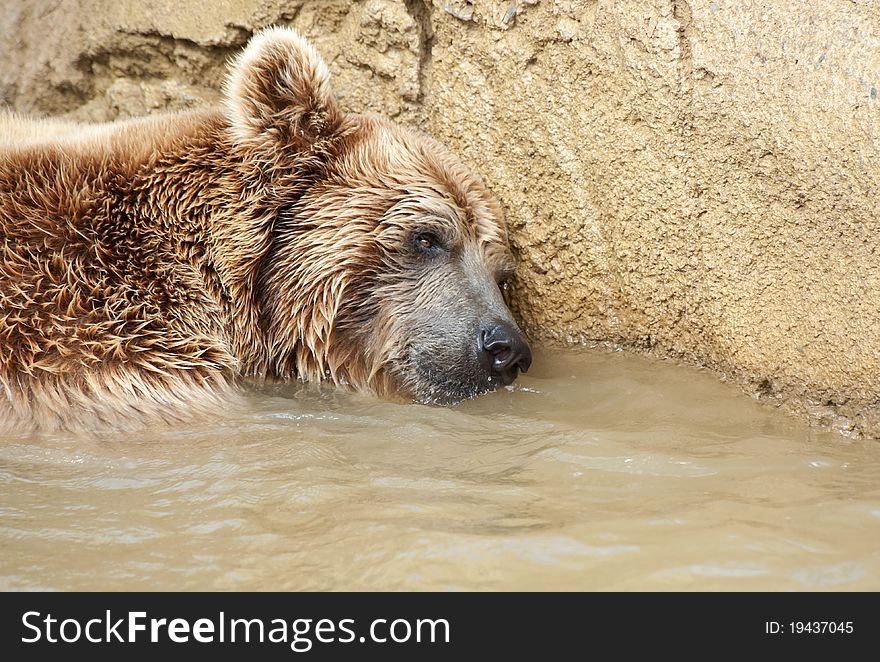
(388,256)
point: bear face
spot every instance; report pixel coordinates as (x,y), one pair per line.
(146,266)
(384,273)
(418,256)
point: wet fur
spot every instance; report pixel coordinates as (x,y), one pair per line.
(147,265)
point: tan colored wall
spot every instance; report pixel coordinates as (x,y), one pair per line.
(697,179)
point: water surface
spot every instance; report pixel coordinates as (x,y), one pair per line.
(597,471)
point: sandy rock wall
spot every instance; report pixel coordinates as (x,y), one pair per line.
(694,179)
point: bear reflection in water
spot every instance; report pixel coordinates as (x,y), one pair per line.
(149,265)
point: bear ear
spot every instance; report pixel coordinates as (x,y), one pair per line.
(279,90)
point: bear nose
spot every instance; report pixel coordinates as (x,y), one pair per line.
(504,351)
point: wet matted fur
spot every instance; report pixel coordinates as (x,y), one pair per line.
(147,265)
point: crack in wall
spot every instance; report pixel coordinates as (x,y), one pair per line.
(681,11)
(688,74)
(421,13)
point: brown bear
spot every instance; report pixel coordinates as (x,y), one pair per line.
(148,265)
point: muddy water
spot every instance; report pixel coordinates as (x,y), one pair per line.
(597,471)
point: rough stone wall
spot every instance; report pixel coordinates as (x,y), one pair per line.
(694,179)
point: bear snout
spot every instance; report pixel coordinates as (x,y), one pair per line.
(503,351)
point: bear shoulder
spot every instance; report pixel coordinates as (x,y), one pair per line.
(128,140)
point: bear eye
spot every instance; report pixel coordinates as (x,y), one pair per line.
(503,277)
(427,242)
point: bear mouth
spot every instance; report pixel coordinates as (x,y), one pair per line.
(446,397)
(429,385)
